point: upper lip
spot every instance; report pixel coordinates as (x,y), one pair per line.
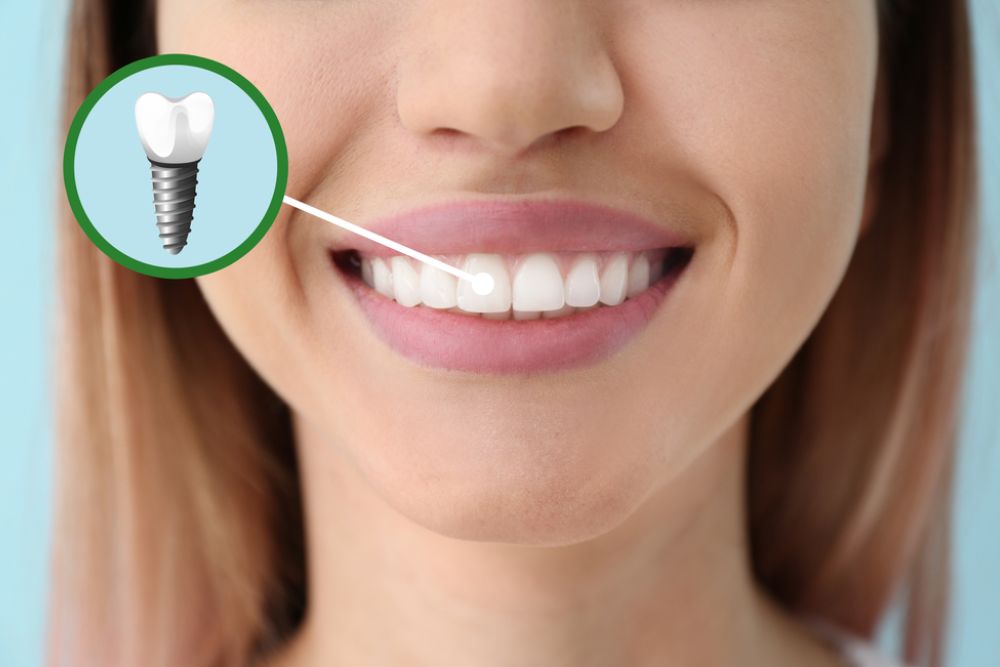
(515,227)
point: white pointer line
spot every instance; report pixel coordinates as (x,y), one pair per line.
(482,283)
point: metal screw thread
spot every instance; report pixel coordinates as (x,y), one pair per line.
(173,197)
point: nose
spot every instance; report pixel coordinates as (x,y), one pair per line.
(507,74)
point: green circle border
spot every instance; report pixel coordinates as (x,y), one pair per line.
(69,172)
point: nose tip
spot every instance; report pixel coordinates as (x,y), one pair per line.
(508,81)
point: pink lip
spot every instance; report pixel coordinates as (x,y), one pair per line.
(510,227)
(454,341)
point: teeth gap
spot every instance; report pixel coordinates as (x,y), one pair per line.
(676,259)
(348,261)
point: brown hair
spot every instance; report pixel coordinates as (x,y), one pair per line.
(179,529)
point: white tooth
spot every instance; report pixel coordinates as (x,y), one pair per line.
(583,285)
(405,282)
(614,279)
(496,301)
(382,275)
(437,288)
(174,131)
(638,275)
(527,314)
(562,312)
(505,315)
(537,285)
(367,274)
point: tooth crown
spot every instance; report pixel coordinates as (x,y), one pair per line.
(526,287)
(497,301)
(614,280)
(538,285)
(583,282)
(174,131)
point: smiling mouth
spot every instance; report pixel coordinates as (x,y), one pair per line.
(531,286)
(573,282)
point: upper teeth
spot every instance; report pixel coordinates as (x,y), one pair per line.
(526,287)
(174,131)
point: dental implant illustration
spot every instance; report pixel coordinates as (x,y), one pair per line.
(174,133)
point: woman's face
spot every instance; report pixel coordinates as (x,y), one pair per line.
(737,128)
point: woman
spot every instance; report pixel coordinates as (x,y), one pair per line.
(740,454)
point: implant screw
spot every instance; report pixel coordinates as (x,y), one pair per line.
(173,198)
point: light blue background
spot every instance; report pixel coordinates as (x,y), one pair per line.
(236,176)
(30,52)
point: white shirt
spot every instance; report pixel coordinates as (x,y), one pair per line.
(856,651)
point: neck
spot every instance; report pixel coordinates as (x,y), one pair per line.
(670,585)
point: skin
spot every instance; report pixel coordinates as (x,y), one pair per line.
(545,520)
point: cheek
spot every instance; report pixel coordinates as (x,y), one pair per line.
(771,112)
(250,297)
(769,107)
(307,60)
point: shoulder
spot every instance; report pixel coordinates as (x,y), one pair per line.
(857,652)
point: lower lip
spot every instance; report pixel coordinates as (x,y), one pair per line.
(452,341)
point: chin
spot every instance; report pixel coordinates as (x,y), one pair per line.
(534,491)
